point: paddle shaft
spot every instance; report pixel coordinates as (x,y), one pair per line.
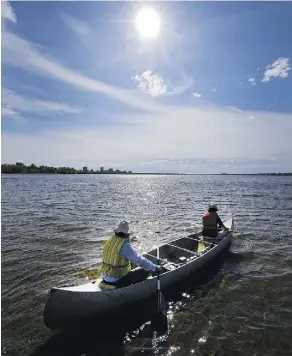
(159,321)
(158,272)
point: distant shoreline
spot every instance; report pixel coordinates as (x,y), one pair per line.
(20,168)
(158,174)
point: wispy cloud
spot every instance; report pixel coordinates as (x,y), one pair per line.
(6,111)
(151,83)
(214,89)
(7,12)
(252,80)
(77,26)
(279,69)
(13,104)
(197,95)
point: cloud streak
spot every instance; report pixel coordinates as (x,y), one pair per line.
(8,112)
(13,104)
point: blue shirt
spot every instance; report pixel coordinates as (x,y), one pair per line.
(132,255)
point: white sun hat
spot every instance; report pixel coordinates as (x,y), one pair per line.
(123,227)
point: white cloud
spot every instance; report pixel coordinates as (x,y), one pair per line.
(214,89)
(77,26)
(154,85)
(279,69)
(151,83)
(197,95)
(14,103)
(7,12)
(252,81)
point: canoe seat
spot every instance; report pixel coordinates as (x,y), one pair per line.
(105,286)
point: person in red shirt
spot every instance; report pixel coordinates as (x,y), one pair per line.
(211,223)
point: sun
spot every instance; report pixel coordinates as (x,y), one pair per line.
(148,22)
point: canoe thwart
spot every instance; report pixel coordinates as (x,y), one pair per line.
(199,240)
(181,248)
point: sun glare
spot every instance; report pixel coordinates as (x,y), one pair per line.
(148,22)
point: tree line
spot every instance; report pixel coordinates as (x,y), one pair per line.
(22,168)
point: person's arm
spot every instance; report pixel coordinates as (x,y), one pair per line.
(219,221)
(132,255)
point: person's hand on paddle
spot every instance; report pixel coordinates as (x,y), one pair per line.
(158,269)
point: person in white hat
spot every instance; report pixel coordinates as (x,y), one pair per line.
(118,254)
(211,223)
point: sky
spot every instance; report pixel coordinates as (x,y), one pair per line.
(184,87)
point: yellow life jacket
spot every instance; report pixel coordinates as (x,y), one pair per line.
(114,265)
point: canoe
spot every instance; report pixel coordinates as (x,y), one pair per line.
(180,259)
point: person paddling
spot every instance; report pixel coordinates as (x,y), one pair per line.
(211,222)
(117,256)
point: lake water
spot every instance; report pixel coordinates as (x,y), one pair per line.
(54,226)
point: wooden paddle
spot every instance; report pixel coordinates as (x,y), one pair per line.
(159,322)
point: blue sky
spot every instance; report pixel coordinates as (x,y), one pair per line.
(210,92)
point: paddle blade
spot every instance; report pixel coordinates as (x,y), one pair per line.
(159,321)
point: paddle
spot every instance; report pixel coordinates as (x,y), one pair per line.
(159,322)
(90,273)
